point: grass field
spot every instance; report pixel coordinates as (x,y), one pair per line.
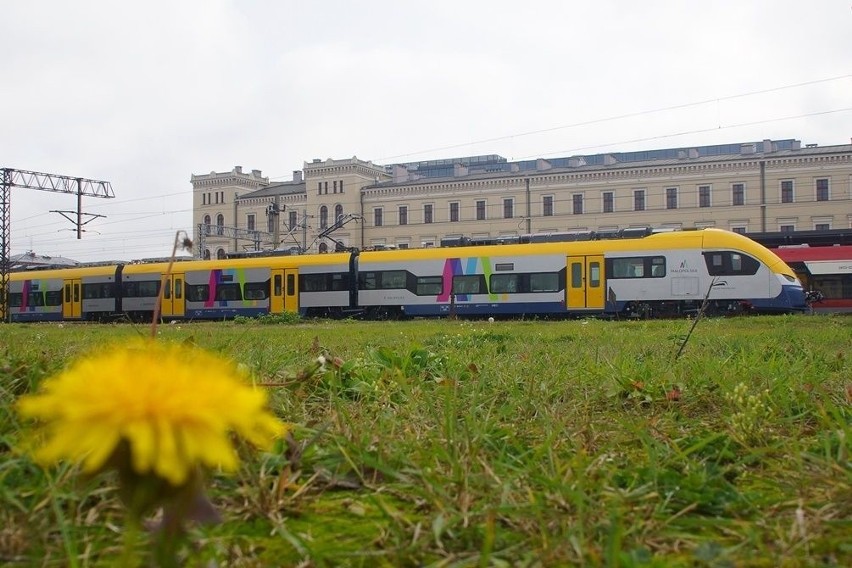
(452,443)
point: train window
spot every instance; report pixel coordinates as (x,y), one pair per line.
(339,282)
(53,298)
(393,279)
(228,292)
(167,291)
(178,288)
(429,285)
(576,274)
(368,280)
(16,300)
(544,282)
(637,267)
(728,263)
(505,283)
(35,299)
(291,284)
(76,292)
(276,285)
(472,284)
(98,291)
(594,274)
(143,289)
(313,283)
(256,290)
(198,292)
(68,293)
(334,282)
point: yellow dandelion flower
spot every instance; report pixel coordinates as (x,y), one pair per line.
(174,406)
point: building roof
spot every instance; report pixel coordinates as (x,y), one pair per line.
(285,188)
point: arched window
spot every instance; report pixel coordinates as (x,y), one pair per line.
(206,254)
(323,217)
(323,247)
(220,224)
(220,254)
(207,224)
(338,212)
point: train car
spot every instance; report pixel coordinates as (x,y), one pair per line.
(826,272)
(660,274)
(72,294)
(648,275)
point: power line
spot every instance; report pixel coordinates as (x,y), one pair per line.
(619,117)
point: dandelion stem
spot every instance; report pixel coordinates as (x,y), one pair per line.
(164,281)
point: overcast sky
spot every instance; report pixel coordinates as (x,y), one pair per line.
(145,94)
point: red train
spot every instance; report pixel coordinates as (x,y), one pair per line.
(825,272)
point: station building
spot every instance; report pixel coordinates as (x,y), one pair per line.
(750,187)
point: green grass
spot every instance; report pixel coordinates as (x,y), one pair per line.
(451,443)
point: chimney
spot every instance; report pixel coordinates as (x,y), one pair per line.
(609,160)
(693,152)
(747,149)
(541,164)
(769,146)
(238,169)
(297,176)
(459,170)
(576,162)
(400,173)
(255,173)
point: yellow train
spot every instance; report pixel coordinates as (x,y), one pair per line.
(664,273)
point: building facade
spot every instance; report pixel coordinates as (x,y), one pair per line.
(751,187)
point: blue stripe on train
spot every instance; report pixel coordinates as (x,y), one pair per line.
(487,308)
(791,299)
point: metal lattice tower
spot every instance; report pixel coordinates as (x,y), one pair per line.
(44,182)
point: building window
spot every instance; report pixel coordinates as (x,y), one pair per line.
(454,211)
(608,201)
(787,228)
(822,193)
(293,219)
(741,229)
(250,221)
(671,198)
(822,226)
(377,217)
(639,200)
(323,217)
(547,206)
(704,196)
(508,208)
(341,186)
(403,215)
(207,224)
(206,254)
(427,213)
(738,194)
(787,191)
(220,224)
(480,210)
(325,187)
(323,248)
(334,186)
(319,188)
(577,204)
(204,199)
(270,223)
(338,212)
(220,254)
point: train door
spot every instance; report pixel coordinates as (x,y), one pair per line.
(291,290)
(276,298)
(72,304)
(585,286)
(173,297)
